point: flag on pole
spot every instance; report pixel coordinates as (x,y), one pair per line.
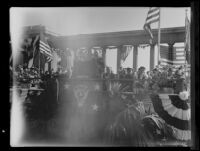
(11,58)
(34,48)
(40,46)
(125,52)
(175,58)
(187,39)
(45,48)
(153,16)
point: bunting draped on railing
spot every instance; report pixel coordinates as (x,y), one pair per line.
(144,46)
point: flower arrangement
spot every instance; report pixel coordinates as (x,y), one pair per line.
(184,95)
(114,88)
(27,76)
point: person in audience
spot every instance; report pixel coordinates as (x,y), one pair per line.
(148,75)
(170,73)
(129,74)
(108,73)
(100,66)
(106,76)
(112,75)
(141,73)
(149,79)
(151,74)
(180,81)
(122,74)
(155,75)
(140,78)
(128,84)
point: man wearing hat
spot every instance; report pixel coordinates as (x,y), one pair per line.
(180,82)
(129,74)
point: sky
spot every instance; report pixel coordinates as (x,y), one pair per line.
(85,20)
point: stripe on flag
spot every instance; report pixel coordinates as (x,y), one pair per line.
(176,62)
(49,59)
(152,17)
(177,57)
(180,57)
(45,49)
(179,53)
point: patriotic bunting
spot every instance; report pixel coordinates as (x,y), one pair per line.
(176,113)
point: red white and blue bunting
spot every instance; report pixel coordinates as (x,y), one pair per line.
(175,112)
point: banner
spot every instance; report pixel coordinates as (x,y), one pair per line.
(125,51)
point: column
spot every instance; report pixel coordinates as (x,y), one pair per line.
(152,56)
(119,49)
(89,48)
(104,55)
(170,49)
(135,57)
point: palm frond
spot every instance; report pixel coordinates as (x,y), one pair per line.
(114,88)
(158,121)
(126,129)
(157,127)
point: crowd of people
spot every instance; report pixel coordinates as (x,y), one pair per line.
(46,104)
(158,78)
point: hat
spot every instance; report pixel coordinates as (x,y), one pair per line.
(169,69)
(155,69)
(141,68)
(129,69)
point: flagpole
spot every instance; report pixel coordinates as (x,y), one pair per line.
(39,53)
(159,37)
(33,55)
(41,35)
(185,41)
(34,45)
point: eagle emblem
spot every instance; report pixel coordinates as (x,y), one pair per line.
(81,93)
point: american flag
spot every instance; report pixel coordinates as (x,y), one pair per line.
(177,56)
(45,49)
(153,16)
(175,59)
(125,52)
(187,39)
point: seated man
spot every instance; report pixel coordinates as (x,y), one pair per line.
(180,82)
(112,75)
(141,78)
(122,73)
(129,74)
(128,85)
(106,74)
